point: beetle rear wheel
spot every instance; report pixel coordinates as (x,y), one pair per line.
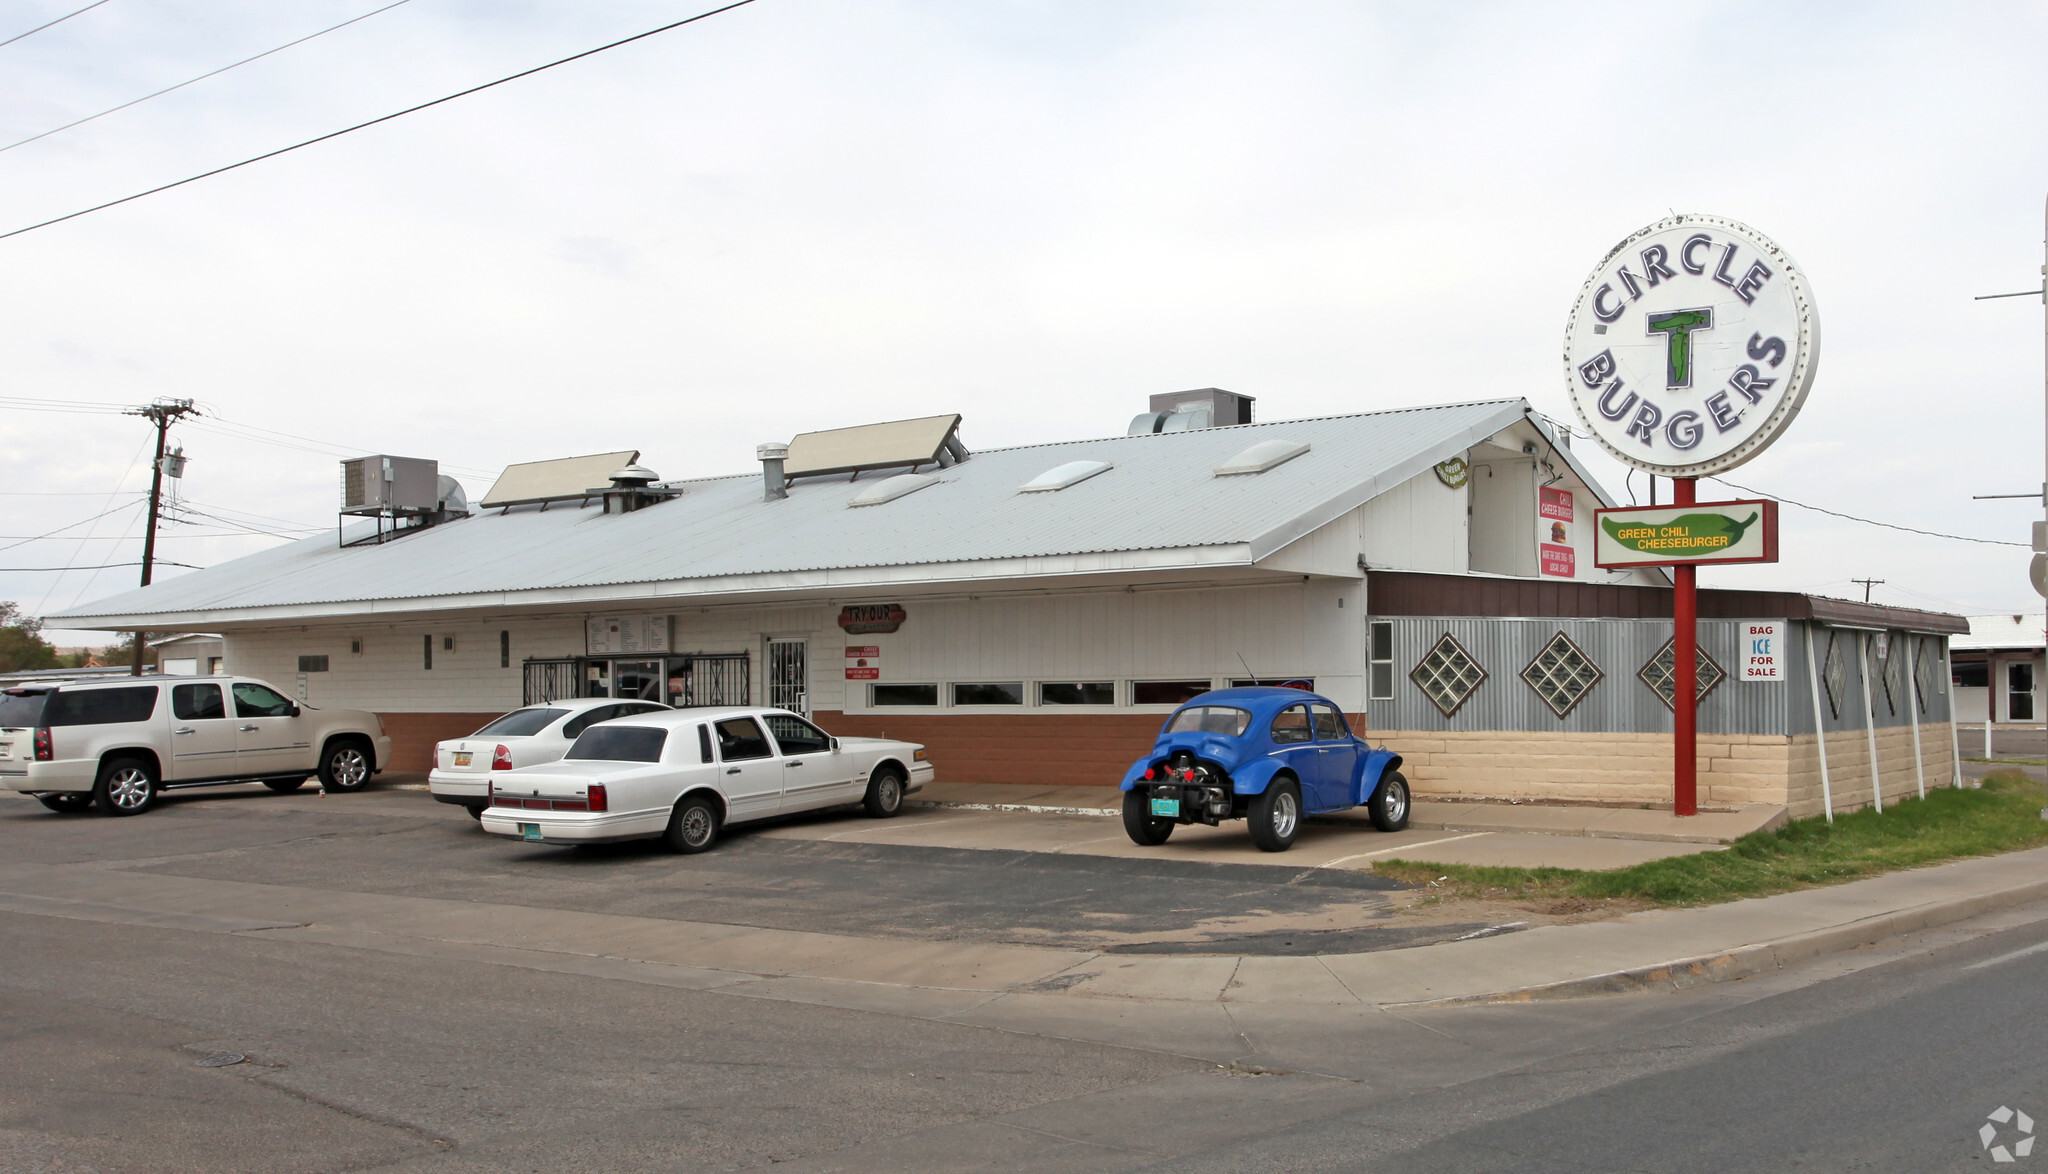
(1389,806)
(1275,817)
(1141,825)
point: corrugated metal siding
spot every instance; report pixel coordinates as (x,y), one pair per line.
(1938,696)
(1619,703)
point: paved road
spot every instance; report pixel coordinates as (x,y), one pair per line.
(363,1059)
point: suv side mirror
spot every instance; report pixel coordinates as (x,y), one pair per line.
(292,712)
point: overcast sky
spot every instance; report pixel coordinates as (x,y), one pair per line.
(804,215)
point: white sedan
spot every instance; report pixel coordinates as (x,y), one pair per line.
(525,737)
(685,774)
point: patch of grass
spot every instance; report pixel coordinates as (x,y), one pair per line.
(2004,815)
(2009,761)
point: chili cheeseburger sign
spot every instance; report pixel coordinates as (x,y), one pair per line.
(1692,346)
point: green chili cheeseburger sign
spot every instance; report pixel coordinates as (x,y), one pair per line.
(1692,346)
(1712,532)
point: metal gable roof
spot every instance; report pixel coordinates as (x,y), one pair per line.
(1160,494)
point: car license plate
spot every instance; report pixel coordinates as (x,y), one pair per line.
(462,758)
(529,831)
(1166,807)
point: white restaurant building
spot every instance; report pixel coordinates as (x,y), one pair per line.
(1030,613)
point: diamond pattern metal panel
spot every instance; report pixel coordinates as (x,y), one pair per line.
(1835,674)
(1448,675)
(1562,674)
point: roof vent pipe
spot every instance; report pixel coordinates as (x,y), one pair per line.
(774,485)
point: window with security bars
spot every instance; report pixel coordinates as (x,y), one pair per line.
(1562,674)
(1661,673)
(1834,674)
(1448,675)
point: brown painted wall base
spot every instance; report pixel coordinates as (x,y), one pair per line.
(1067,750)
(413,735)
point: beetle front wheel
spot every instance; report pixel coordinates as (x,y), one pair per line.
(1389,805)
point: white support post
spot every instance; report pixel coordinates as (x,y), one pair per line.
(1955,733)
(1820,729)
(1869,719)
(1913,708)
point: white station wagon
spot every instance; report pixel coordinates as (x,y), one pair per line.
(525,737)
(684,774)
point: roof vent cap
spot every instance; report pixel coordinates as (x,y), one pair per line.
(634,476)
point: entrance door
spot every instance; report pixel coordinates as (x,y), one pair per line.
(2019,692)
(789,676)
(640,680)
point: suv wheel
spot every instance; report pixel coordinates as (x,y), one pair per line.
(126,786)
(345,766)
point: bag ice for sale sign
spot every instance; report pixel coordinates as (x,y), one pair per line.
(1763,650)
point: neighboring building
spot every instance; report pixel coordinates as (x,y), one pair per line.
(1031,613)
(196,654)
(1998,670)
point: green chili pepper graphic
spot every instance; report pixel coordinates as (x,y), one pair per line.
(1686,534)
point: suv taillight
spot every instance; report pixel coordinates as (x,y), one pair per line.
(44,751)
(501,758)
(599,801)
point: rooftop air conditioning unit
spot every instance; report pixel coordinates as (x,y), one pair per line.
(389,486)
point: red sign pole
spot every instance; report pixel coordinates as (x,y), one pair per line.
(1685,648)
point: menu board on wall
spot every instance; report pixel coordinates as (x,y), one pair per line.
(626,635)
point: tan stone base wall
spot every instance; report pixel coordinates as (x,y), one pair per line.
(1635,769)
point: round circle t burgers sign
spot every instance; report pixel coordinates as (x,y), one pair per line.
(1692,346)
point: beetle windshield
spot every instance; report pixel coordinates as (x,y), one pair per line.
(1210,719)
(521,723)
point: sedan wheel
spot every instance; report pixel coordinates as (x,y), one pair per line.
(1275,816)
(346,768)
(694,826)
(125,787)
(885,794)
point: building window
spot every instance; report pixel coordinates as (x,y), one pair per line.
(1970,674)
(1382,657)
(1077,693)
(1305,684)
(1660,674)
(1562,674)
(427,651)
(1834,674)
(903,694)
(213,666)
(355,648)
(312,664)
(504,650)
(988,693)
(1448,675)
(447,643)
(1166,692)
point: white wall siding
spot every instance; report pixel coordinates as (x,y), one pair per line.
(1418,525)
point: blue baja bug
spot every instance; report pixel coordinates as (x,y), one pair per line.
(1265,755)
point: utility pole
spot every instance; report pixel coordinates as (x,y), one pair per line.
(1867,585)
(161,413)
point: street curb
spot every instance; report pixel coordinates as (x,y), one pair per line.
(1757,958)
(1033,808)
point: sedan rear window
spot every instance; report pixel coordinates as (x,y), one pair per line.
(521,723)
(100,707)
(20,709)
(620,743)
(1210,719)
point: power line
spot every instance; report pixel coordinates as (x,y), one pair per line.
(46,24)
(1866,521)
(374,121)
(59,530)
(202,77)
(102,567)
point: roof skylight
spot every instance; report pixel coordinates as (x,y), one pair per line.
(1060,476)
(1262,456)
(888,489)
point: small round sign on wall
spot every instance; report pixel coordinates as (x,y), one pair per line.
(1692,346)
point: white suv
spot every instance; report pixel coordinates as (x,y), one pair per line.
(118,744)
